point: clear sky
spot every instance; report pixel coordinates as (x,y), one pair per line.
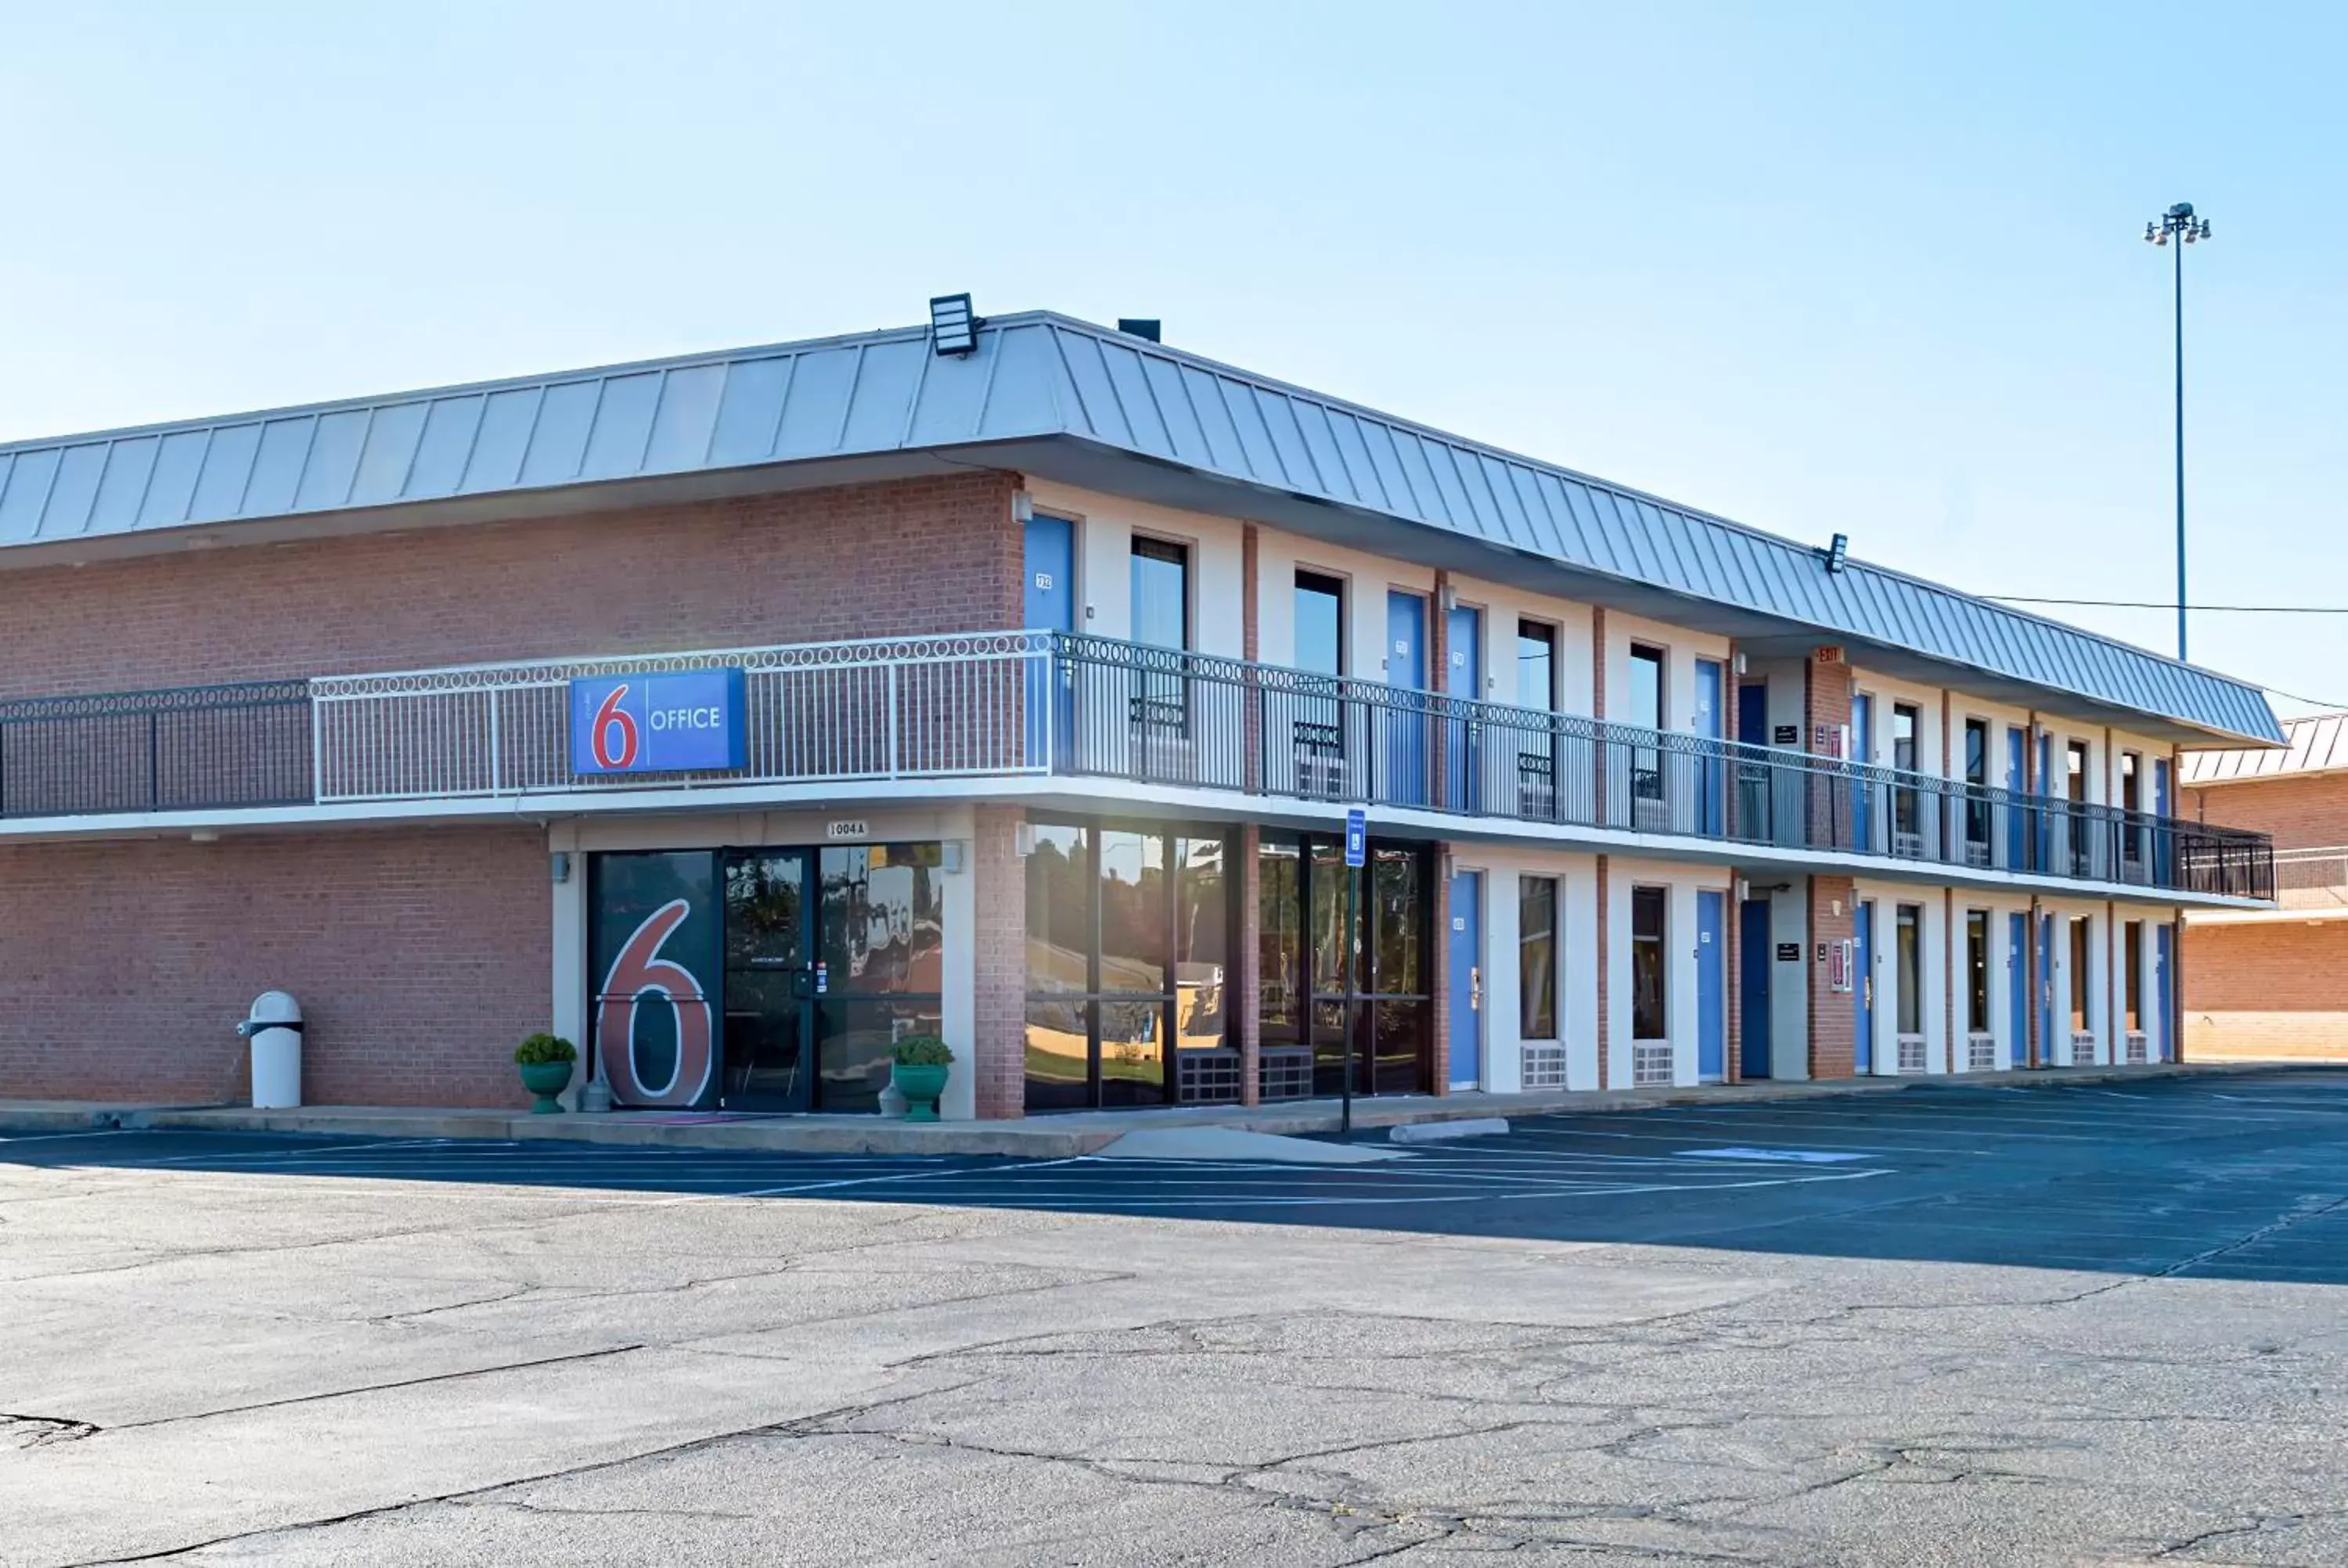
(1869,268)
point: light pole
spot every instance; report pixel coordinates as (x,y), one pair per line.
(2179,225)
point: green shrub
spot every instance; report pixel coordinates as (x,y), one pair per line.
(923,1050)
(543,1047)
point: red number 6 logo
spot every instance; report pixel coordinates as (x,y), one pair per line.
(612,736)
(640,970)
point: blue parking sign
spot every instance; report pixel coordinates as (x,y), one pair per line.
(1357,836)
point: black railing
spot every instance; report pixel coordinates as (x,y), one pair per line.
(1162,716)
(188,749)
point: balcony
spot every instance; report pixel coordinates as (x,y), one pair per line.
(1040,704)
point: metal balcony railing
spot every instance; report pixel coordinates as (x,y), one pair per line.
(1031,703)
(2312,879)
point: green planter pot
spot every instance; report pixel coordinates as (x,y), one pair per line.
(921,1086)
(546,1080)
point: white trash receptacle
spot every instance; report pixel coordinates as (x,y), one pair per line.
(273,1025)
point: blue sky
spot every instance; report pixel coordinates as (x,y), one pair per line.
(1866,268)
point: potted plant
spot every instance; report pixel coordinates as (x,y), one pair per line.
(545,1061)
(918,1071)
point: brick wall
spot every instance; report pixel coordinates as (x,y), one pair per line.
(914,556)
(1834,1022)
(419,957)
(2267,989)
(999,1017)
(2303,810)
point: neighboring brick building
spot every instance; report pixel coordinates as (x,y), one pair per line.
(2273,983)
(740,715)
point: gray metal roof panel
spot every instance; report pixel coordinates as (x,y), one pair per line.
(2317,744)
(1039,375)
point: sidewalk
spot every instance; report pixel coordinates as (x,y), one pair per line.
(1059,1136)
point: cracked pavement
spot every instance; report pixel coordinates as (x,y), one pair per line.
(2055,1326)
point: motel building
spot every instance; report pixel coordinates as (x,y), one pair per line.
(1014,681)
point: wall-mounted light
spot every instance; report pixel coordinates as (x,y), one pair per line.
(1023,506)
(1023,839)
(950,857)
(557,865)
(1839,553)
(954,325)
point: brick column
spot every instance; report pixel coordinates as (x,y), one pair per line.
(1834,1016)
(1246,999)
(1826,713)
(1000,1015)
(1605,1024)
(1439,978)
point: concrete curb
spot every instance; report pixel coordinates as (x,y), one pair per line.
(1056,1137)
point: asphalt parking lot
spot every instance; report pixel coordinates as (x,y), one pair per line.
(1964,1325)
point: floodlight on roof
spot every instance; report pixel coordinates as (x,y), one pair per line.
(954,325)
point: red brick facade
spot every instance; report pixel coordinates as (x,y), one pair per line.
(918,556)
(1834,1020)
(2303,810)
(999,1011)
(419,957)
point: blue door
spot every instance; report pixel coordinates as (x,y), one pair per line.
(1711,809)
(2045,861)
(1049,596)
(2015,859)
(1466,980)
(1753,961)
(2017,987)
(1463,631)
(1862,1050)
(1863,750)
(2045,991)
(1711,986)
(1404,774)
(1753,779)
(2165,1039)
(2160,837)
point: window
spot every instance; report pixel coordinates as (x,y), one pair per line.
(1977,788)
(1319,624)
(1537,957)
(1127,947)
(2132,950)
(1906,813)
(1536,666)
(1161,593)
(1646,709)
(1976,972)
(2075,782)
(1647,967)
(2131,790)
(1908,961)
(2079,974)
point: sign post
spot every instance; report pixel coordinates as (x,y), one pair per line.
(1357,834)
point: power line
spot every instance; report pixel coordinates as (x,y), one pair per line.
(2167,604)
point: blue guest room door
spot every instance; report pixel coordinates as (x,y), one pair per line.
(1405,732)
(1463,678)
(2017,990)
(1709,718)
(1049,605)
(1753,959)
(1863,983)
(1466,980)
(1711,986)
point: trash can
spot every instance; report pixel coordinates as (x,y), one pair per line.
(273,1025)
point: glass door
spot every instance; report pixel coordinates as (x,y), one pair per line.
(768,1054)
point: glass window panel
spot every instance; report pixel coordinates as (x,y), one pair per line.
(857,1041)
(1059,1049)
(2131,791)
(1319,624)
(1201,950)
(1132,1053)
(2079,975)
(1280,946)
(2075,759)
(1161,594)
(1328,906)
(883,921)
(1976,752)
(1647,687)
(1133,938)
(1059,909)
(1537,956)
(1394,888)
(1330,1039)
(1399,1037)
(1911,970)
(1976,972)
(1904,716)
(1648,969)
(2132,949)
(1535,665)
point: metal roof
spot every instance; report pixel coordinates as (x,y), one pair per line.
(1040,378)
(2315,744)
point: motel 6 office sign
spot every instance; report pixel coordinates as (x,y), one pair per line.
(685,721)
